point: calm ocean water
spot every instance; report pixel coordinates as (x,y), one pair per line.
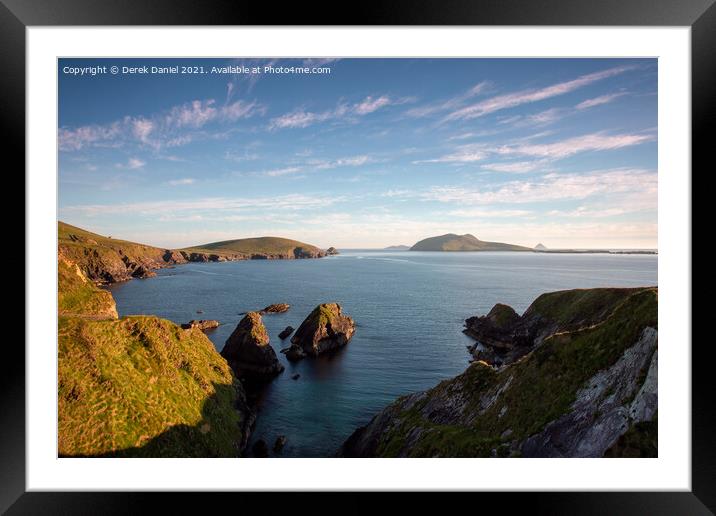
(409,308)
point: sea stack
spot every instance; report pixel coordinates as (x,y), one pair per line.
(324,329)
(248,350)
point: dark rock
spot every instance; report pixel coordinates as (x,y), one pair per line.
(324,329)
(203,325)
(277,308)
(248,350)
(171,256)
(331,251)
(200,311)
(494,329)
(260,448)
(280,443)
(286,332)
(296,376)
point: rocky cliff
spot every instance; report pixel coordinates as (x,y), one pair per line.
(108,260)
(586,387)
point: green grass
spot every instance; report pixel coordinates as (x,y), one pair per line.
(142,386)
(260,245)
(80,297)
(543,386)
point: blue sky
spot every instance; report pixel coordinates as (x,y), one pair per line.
(377,152)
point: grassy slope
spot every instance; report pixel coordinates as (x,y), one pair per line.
(96,254)
(263,245)
(452,242)
(141,386)
(543,387)
(138,386)
(77,296)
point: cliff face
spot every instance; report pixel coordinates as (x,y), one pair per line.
(586,388)
(107,260)
(139,386)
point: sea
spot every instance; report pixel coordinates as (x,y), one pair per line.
(409,308)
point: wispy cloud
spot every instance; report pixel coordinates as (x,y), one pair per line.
(206,205)
(484,213)
(560,149)
(511,100)
(547,188)
(598,101)
(448,104)
(578,144)
(316,164)
(300,118)
(168,129)
(181,182)
(132,164)
(515,167)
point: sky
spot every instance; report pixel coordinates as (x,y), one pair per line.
(361,153)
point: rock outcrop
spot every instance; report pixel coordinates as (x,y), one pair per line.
(248,350)
(286,332)
(503,336)
(587,389)
(332,251)
(326,328)
(202,324)
(277,308)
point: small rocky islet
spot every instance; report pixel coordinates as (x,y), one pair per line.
(326,328)
(248,350)
(202,324)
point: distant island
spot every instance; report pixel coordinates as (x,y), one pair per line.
(397,248)
(461,243)
(469,243)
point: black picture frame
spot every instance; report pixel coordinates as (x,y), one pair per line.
(700,15)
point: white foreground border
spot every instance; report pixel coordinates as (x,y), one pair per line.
(672,470)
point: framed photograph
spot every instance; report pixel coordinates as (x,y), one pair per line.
(423,252)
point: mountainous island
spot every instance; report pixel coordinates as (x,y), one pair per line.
(467,242)
(574,376)
(397,248)
(540,247)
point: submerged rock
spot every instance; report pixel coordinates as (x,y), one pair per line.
(286,332)
(280,443)
(248,350)
(260,448)
(277,308)
(296,376)
(202,324)
(324,329)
